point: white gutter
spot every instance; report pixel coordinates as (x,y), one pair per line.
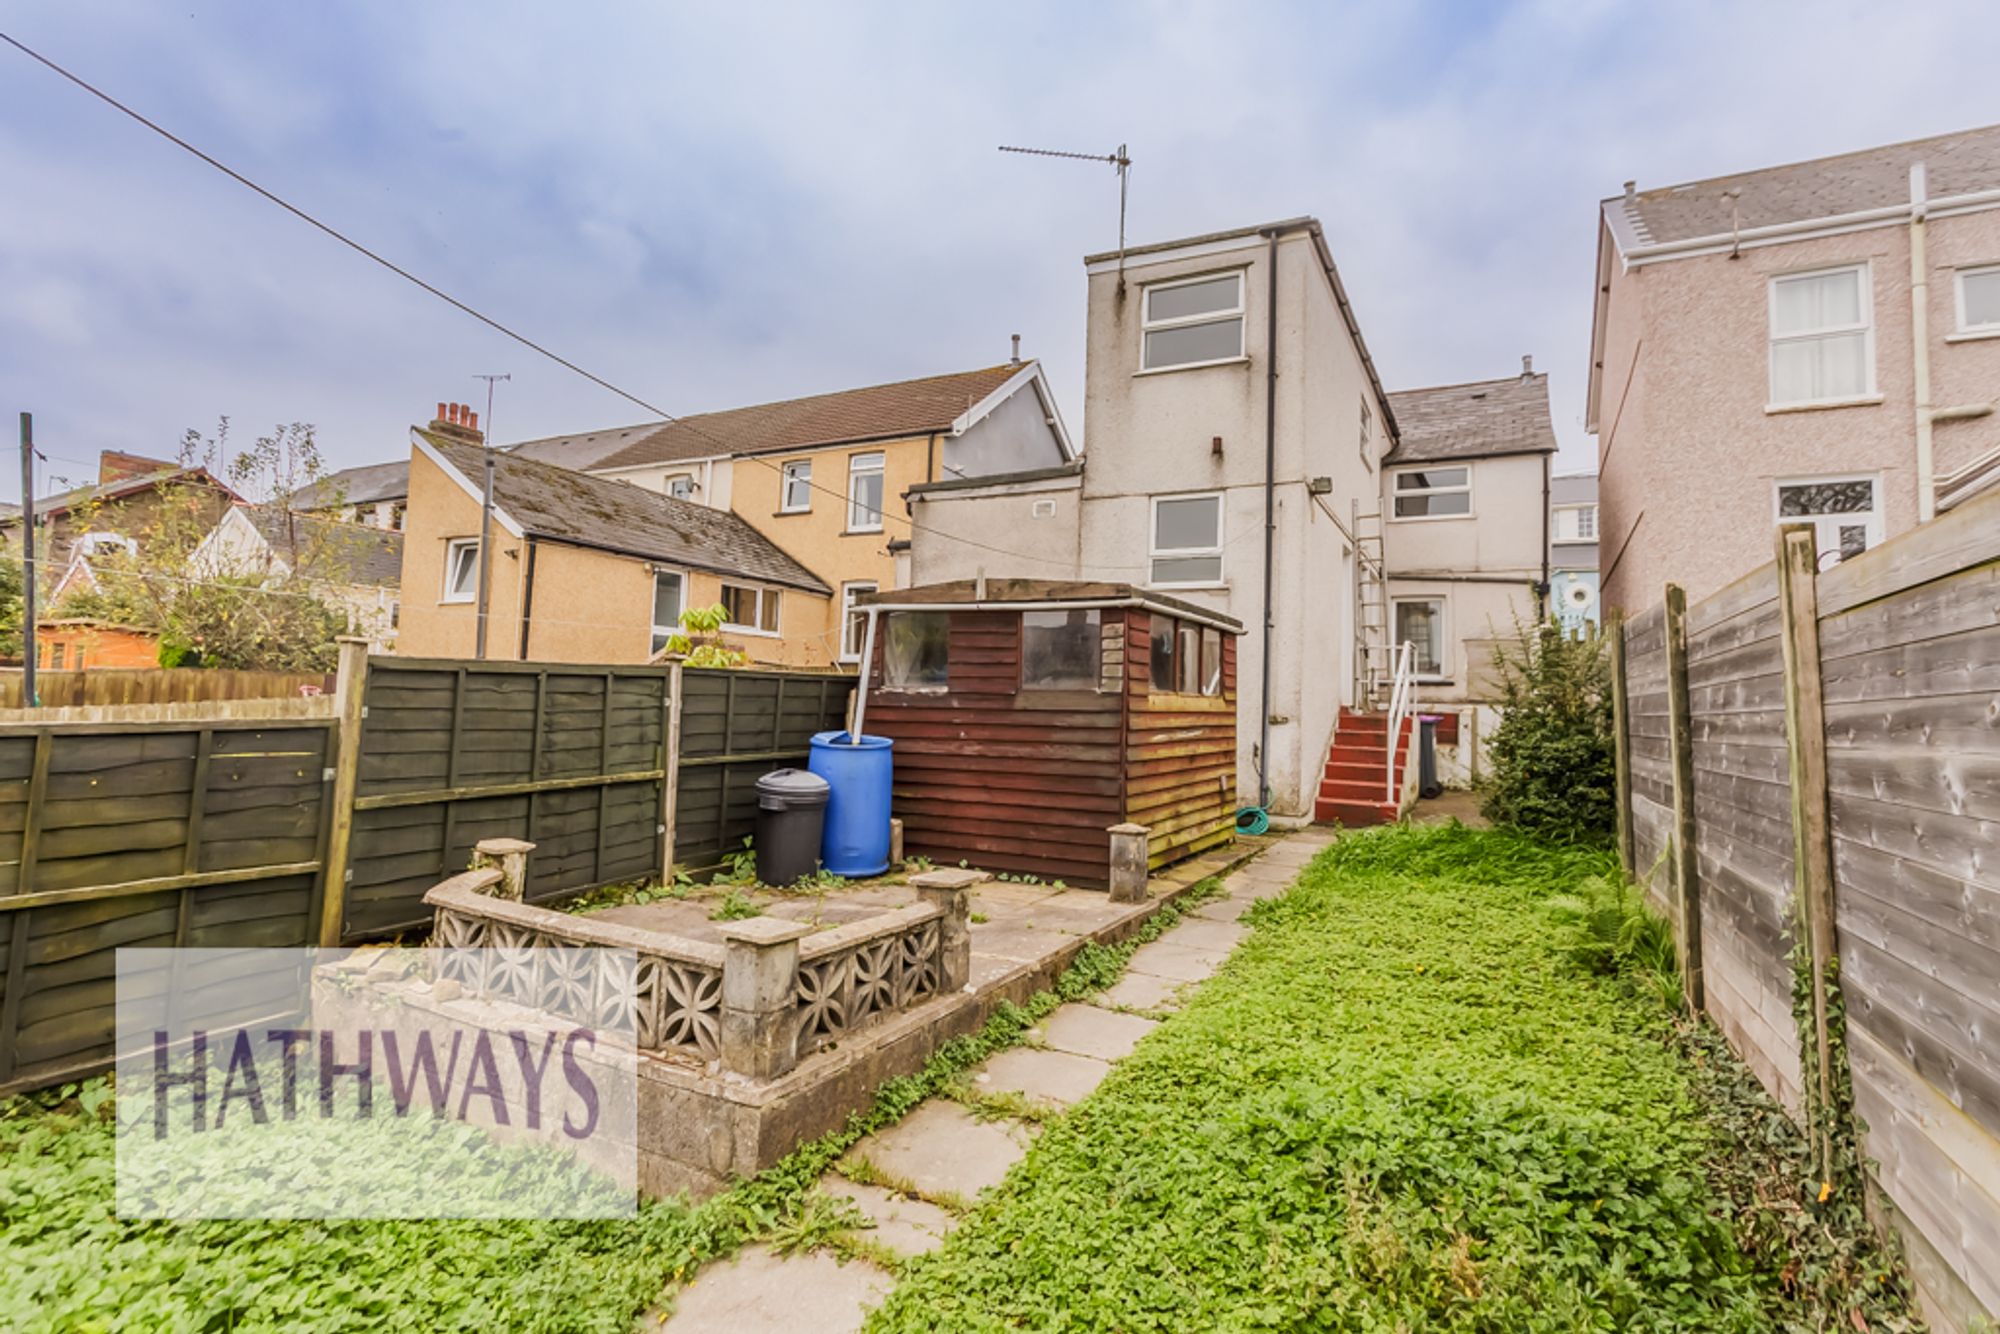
(1888,215)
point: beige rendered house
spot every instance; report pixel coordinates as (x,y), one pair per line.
(1818,342)
(587,569)
(351,565)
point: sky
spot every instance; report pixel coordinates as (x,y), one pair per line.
(718,205)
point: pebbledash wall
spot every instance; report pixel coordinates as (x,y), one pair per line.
(1809,772)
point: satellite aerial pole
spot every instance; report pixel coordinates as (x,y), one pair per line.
(1121,160)
(486,519)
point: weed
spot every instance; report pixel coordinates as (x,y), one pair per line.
(817,1220)
(735,906)
(980,919)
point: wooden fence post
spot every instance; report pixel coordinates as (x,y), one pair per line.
(1812,847)
(349,692)
(670,762)
(1621,747)
(1686,866)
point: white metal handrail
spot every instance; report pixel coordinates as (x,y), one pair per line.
(1399,707)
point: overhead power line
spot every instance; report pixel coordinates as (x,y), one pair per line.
(476,314)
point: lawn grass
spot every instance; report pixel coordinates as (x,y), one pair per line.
(1402,1105)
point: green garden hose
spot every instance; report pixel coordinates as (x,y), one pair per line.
(1253,820)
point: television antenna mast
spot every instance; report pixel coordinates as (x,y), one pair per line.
(1121,160)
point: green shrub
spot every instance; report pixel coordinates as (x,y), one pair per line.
(1553,772)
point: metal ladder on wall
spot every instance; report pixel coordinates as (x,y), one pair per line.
(1374,668)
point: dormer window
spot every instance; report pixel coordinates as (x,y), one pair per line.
(1194,322)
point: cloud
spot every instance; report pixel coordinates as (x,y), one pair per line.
(721,206)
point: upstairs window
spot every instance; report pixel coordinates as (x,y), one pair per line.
(667,598)
(913,650)
(1433,493)
(1821,337)
(797,495)
(461,569)
(680,486)
(1061,650)
(1844,511)
(1187,540)
(747,607)
(864,493)
(1979,300)
(1575,523)
(1193,323)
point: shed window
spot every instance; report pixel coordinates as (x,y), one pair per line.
(914,646)
(1186,657)
(1194,323)
(853,621)
(1061,650)
(1821,332)
(745,607)
(1433,493)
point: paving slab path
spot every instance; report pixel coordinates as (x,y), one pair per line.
(913,1180)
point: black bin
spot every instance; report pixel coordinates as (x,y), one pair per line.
(1427,756)
(791,815)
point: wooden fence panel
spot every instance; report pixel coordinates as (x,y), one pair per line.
(571,758)
(1650,763)
(105,686)
(192,834)
(737,726)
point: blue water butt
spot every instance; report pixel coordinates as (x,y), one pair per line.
(856,841)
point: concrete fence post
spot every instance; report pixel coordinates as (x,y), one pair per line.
(951,892)
(1128,863)
(760,984)
(511,856)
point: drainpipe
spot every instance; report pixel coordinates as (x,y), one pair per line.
(1270,509)
(527,598)
(1920,337)
(1542,589)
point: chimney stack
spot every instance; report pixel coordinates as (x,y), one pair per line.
(457,421)
(1631,191)
(116,466)
(1016,359)
(1527,365)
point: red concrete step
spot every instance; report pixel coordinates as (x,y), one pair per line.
(1353,772)
(1354,814)
(1369,790)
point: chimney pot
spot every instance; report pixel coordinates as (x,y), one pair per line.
(1631,189)
(1528,365)
(1017,351)
(441,408)
(471,420)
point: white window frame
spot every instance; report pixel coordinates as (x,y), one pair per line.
(1987,330)
(850,615)
(1872,517)
(668,483)
(764,595)
(798,471)
(663,632)
(1154,551)
(1444,663)
(1240,313)
(451,550)
(1866,328)
(1471,502)
(1578,509)
(873,464)
(97,542)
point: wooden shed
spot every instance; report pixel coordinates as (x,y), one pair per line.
(1030,716)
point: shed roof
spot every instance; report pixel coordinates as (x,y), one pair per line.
(874,412)
(544,500)
(1961,163)
(1483,419)
(1000,594)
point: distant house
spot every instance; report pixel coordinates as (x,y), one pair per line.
(358,567)
(373,494)
(1466,542)
(77,644)
(1815,343)
(1573,590)
(587,569)
(128,499)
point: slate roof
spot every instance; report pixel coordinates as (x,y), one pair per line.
(49,507)
(1954,164)
(875,412)
(575,507)
(365,554)
(365,485)
(1470,421)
